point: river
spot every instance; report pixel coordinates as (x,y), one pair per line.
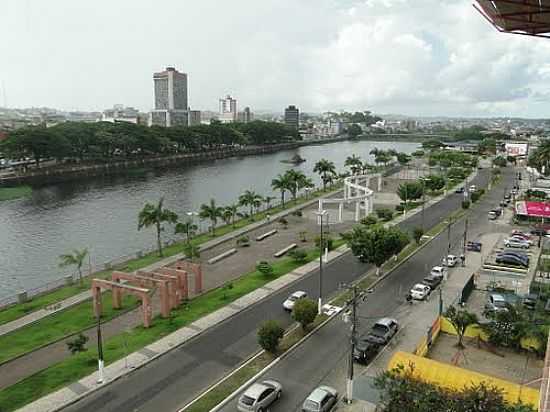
(101,213)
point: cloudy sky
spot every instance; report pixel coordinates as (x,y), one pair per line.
(415,57)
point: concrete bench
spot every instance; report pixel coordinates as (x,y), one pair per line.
(267,234)
(286,249)
(222,256)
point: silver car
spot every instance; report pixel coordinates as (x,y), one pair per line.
(514,242)
(259,396)
(322,399)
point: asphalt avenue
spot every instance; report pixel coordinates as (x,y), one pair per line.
(308,366)
(176,378)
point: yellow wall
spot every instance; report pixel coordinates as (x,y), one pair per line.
(454,378)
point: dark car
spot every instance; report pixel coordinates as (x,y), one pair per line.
(365,351)
(497,211)
(530,301)
(432,281)
(382,331)
(507,197)
(459,190)
(538,231)
(518,253)
(503,203)
(473,246)
(511,260)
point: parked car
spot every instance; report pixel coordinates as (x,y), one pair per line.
(432,281)
(509,259)
(322,399)
(520,233)
(365,351)
(503,203)
(473,188)
(539,231)
(473,246)
(519,253)
(507,197)
(514,242)
(440,271)
(492,215)
(522,238)
(459,190)
(451,261)
(496,303)
(292,299)
(382,331)
(259,396)
(420,291)
(530,301)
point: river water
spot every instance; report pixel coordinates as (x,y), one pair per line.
(101,213)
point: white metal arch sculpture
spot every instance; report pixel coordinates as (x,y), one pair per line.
(356,190)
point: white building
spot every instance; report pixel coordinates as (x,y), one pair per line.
(228,110)
(119,113)
(170,99)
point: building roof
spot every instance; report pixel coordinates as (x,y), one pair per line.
(528,17)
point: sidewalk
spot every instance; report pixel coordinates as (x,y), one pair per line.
(83,296)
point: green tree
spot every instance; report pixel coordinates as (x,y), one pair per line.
(500,161)
(376,245)
(211,212)
(188,228)
(354,163)
(297,180)
(156,215)
(326,169)
(434,182)
(369,220)
(264,268)
(251,199)
(354,131)
(283,184)
(465,204)
(304,312)
(460,319)
(77,344)
(403,158)
(298,255)
(74,259)
(269,335)
(540,158)
(410,191)
(267,200)
(418,232)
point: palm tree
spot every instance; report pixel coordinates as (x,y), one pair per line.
(268,200)
(187,227)
(232,211)
(297,180)
(212,212)
(252,199)
(74,259)
(282,183)
(326,170)
(156,215)
(541,157)
(354,163)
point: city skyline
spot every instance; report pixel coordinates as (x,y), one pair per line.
(433,59)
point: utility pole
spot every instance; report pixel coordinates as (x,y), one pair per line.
(321,214)
(100,363)
(423,200)
(463,257)
(353,302)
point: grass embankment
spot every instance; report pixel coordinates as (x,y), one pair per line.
(10,193)
(55,327)
(18,310)
(77,366)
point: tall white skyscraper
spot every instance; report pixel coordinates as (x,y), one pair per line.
(228,109)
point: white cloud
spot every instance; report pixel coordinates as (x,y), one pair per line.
(411,56)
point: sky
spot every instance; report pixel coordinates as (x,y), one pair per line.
(412,57)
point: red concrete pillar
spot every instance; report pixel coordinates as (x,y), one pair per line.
(164,300)
(146,310)
(198,279)
(96,297)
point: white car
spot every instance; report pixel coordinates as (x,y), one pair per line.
(522,238)
(292,299)
(472,188)
(440,271)
(260,396)
(515,242)
(420,291)
(451,261)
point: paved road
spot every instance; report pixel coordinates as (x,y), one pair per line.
(176,378)
(327,350)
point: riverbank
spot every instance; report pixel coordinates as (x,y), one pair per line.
(62,173)
(404,137)
(10,193)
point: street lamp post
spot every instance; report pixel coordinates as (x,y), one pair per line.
(100,362)
(321,214)
(192,216)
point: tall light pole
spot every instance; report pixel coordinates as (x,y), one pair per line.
(321,214)
(100,362)
(192,216)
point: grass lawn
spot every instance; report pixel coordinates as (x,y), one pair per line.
(57,326)
(18,310)
(9,193)
(116,347)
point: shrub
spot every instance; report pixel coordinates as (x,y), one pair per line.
(297,213)
(418,232)
(385,214)
(369,220)
(327,240)
(269,335)
(243,241)
(226,288)
(465,204)
(298,255)
(264,268)
(283,222)
(474,197)
(302,235)
(78,344)
(399,208)
(304,312)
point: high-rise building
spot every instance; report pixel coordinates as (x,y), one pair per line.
(170,99)
(228,110)
(245,116)
(292,117)
(194,117)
